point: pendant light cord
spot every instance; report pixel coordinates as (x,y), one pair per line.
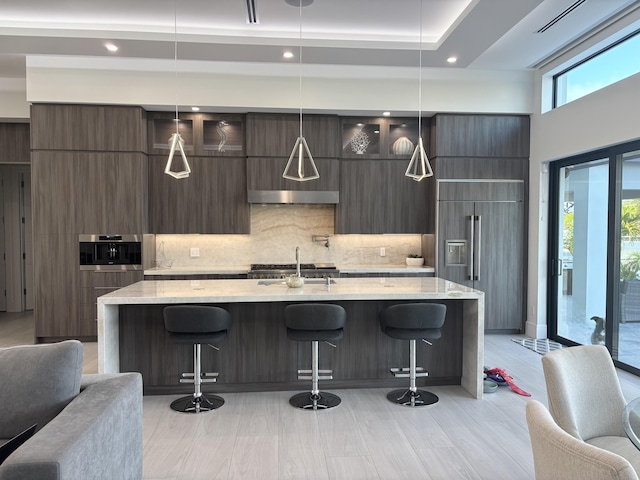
(420,78)
(300,67)
(175,54)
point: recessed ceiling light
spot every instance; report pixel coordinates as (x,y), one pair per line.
(111,47)
(195,109)
(452,59)
(386,114)
(287,54)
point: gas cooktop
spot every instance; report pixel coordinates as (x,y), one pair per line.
(292,266)
(278,270)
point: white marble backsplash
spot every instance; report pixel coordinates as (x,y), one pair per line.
(276,230)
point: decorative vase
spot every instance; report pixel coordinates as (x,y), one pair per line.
(402,146)
(414,262)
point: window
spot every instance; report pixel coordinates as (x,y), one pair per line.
(615,63)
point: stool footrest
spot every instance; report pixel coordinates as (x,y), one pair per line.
(202,380)
(321,372)
(406,372)
(320,377)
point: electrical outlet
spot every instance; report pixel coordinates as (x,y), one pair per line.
(194,252)
(383,252)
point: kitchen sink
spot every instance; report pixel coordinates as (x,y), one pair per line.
(307,281)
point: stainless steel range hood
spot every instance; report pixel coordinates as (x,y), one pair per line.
(293,196)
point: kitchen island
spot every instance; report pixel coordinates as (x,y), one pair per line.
(259,357)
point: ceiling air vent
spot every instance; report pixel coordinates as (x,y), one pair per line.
(564,13)
(252,13)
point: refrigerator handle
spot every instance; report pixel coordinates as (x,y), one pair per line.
(471,246)
(478,247)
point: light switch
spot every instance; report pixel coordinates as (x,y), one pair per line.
(194,252)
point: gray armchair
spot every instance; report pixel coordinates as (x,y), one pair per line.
(585,398)
(558,455)
(89,426)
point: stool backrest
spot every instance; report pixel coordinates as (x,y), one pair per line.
(196,319)
(414,315)
(314,316)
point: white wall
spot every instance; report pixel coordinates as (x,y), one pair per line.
(229,86)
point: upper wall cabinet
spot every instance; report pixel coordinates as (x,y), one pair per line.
(377,138)
(88,128)
(273,135)
(88,192)
(212,200)
(204,134)
(14,143)
(376,197)
(481,136)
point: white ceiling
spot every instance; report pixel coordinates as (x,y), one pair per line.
(482,34)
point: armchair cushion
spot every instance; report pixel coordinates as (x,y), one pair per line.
(38,381)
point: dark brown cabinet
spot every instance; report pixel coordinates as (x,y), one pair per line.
(488,136)
(212,200)
(14,143)
(88,175)
(375,194)
(204,134)
(377,197)
(274,135)
(88,192)
(94,284)
(88,128)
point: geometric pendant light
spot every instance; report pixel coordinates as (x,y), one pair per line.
(295,169)
(419,167)
(176,141)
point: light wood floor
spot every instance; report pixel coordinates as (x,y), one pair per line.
(259,436)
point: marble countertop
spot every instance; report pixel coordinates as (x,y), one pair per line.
(385,269)
(240,269)
(220,291)
(209,270)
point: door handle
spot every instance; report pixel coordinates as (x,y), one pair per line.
(479,247)
(471,247)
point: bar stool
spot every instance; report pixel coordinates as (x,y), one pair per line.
(197,324)
(413,321)
(315,322)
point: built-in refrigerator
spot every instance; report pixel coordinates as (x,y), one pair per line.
(480,244)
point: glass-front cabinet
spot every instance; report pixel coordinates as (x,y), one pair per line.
(383,137)
(204,134)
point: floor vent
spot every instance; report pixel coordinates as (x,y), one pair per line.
(564,13)
(252,13)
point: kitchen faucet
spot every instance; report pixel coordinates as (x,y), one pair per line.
(298,261)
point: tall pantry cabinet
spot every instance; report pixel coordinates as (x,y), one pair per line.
(89,171)
(481,164)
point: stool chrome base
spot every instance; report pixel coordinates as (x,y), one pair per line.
(409,398)
(319,401)
(192,404)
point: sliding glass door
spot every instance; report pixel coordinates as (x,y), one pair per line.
(626,332)
(594,246)
(582,240)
